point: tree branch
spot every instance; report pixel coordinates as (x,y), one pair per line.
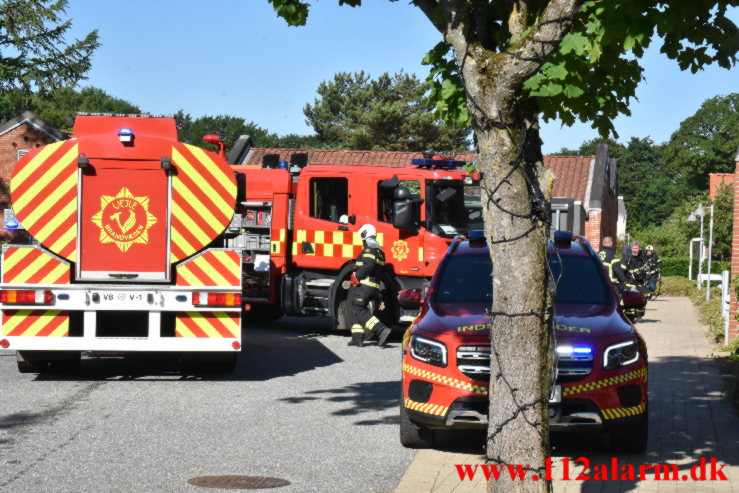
(428,7)
(541,44)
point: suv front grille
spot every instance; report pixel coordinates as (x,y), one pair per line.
(474,362)
(574,366)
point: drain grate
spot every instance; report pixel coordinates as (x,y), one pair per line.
(238,482)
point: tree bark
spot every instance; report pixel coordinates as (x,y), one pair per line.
(516,198)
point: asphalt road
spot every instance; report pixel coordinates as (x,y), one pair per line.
(301,406)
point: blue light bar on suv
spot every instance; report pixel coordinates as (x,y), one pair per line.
(477,234)
(563,237)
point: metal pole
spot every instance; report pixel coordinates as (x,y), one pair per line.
(700,259)
(710,254)
(690,264)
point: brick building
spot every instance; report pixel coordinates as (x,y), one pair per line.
(585,190)
(18,136)
(716,179)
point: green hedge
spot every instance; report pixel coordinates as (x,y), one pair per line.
(678,266)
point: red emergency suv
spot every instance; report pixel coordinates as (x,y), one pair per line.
(602,368)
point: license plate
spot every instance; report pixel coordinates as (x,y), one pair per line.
(556,396)
(122,297)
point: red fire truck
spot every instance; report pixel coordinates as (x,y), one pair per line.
(300,230)
(129,252)
(141,243)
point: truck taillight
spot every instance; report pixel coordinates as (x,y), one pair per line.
(216,299)
(26,297)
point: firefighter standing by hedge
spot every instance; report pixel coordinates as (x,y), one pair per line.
(366,287)
(635,266)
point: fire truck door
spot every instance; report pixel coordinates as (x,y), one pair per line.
(403,249)
(124,221)
(322,238)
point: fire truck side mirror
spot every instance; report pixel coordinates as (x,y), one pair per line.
(403,209)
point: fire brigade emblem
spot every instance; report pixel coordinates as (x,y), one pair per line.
(400,250)
(124,219)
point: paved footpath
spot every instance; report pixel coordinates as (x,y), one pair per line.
(690,418)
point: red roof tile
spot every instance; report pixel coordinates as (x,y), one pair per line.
(572,171)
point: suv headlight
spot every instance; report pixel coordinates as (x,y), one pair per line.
(429,351)
(621,354)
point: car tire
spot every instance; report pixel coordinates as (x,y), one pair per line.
(411,434)
(28,364)
(631,438)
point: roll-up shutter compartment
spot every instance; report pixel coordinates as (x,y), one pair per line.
(124,221)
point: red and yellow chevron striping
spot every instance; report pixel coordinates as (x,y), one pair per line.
(212,268)
(43,191)
(35,323)
(203,200)
(452,382)
(31,265)
(573,389)
(208,324)
(622,412)
(332,243)
(427,408)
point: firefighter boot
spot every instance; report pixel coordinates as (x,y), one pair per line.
(357,336)
(378,330)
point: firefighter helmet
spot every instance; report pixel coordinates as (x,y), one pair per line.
(367,231)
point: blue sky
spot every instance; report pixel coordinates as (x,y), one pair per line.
(236,57)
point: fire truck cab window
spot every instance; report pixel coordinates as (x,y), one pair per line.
(385,198)
(329,198)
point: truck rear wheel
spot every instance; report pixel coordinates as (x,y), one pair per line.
(65,361)
(30,363)
(411,434)
(263,313)
(197,363)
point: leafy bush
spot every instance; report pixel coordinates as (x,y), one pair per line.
(709,313)
(678,266)
(677,286)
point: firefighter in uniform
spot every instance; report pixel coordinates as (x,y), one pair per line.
(612,264)
(635,267)
(366,287)
(653,267)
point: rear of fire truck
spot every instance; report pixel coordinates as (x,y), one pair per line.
(127,229)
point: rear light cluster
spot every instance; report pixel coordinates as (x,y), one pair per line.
(26,297)
(216,299)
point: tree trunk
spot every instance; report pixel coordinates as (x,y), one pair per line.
(516,195)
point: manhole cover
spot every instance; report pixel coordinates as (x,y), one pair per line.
(238,482)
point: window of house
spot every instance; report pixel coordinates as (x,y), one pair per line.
(329,198)
(385,198)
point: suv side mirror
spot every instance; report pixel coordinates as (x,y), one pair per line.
(409,298)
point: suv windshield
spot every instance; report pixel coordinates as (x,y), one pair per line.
(453,208)
(467,278)
(579,280)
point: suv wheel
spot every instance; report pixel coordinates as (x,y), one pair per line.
(631,438)
(411,434)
